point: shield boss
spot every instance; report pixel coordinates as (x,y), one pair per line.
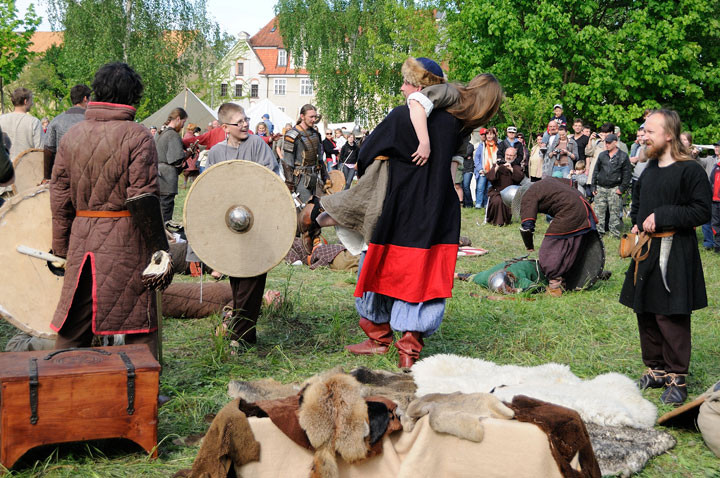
(30,293)
(240,218)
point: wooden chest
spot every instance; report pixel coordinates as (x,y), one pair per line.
(76,395)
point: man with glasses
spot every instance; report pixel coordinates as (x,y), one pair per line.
(247,292)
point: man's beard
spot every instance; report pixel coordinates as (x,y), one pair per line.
(654,151)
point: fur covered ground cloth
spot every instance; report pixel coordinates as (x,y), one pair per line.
(619,450)
(610,399)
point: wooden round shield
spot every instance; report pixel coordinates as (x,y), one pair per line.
(338,181)
(28,170)
(240,218)
(30,291)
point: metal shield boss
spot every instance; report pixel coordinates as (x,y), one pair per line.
(30,291)
(240,218)
(29,171)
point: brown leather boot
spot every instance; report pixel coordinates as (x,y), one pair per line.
(409,347)
(381,336)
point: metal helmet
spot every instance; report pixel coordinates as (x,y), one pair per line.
(502,282)
(508,194)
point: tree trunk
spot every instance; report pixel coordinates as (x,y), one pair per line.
(128,23)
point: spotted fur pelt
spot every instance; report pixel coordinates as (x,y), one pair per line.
(623,450)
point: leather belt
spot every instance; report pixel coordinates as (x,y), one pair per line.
(123,213)
(637,253)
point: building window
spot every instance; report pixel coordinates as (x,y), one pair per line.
(223,90)
(306,87)
(238,89)
(239,68)
(280,84)
(253,91)
(282,58)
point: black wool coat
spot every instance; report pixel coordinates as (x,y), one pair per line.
(679,195)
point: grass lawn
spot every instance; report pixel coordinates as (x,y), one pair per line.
(590,331)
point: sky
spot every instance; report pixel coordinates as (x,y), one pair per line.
(233,16)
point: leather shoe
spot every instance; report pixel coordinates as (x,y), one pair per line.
(676,391)
(652,379)
(409,348)
(378,343)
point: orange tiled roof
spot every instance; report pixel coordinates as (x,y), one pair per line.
(265,44)
(269,59)
(44,40)
(269,35)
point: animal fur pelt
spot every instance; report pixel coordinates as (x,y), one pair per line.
(229,441)
(264,389)
(624,450)
(610,399)
(334,415)
(416,74)
(398,387)
(458,414)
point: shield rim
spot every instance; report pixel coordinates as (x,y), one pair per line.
(18,159)
(5,313)
(288,196)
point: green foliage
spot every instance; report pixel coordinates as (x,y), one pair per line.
(165,41)
(48,84)
(354,50)
(607,60)
(15,34)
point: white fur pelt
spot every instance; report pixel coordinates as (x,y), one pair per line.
(610,399)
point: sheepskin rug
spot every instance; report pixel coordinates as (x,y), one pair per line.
(608,400)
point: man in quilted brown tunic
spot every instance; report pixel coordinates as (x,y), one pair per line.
(100,163)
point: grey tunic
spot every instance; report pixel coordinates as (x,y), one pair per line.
(252,149)
(170,153)
(60,125)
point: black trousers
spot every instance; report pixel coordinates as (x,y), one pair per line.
(665,341)
(715,221)
(77,329)
(167,205)
(247,295)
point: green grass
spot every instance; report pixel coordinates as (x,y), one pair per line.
(590,331)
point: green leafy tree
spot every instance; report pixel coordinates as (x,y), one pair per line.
(607,60)
(164,40)
(15,34)
(353,50)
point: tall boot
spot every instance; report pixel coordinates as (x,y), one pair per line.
(409,347)
(381,336)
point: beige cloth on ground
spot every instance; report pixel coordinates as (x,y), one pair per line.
(359,207)
(509,448)
(709,422)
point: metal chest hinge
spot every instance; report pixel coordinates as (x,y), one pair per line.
(33,390)
(130,382)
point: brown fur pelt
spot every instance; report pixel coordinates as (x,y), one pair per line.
(414,73)
(398,387)
(334,415)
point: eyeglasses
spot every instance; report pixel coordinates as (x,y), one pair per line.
(242,121)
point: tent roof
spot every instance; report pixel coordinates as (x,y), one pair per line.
(258,108)
(198,112)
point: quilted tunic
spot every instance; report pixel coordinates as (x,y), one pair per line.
(101,162)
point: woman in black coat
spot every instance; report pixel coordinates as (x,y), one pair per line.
(348,159)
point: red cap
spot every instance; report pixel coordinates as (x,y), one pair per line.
(482,131)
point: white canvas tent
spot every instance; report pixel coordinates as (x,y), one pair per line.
(198,112)
(277,116)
